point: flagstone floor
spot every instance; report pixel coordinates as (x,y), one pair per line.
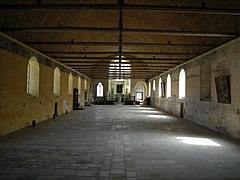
(118,142)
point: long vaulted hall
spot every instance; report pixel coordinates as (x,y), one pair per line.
(119,89)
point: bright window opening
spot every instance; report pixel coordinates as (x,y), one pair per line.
(99,90)
(119,82)
(149,89)
(120,69)
(160,87)
(169,86)
(154,85)
(79,85)
(70,84)
(139,96)
(33,77)
(56,82)
(85,84)
(182,84)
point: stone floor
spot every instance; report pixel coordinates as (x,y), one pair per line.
(118,142)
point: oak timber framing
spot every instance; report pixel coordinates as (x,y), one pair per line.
(126,7)
(124,30)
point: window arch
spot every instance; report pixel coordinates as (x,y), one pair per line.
(149,89)
(79,85)
(154,85)
(33,77)
(169,84)
(99,90)
(182,84)
(117,68)
(56,82)
(160,88)
(85,84)
(70,84)
(205,81)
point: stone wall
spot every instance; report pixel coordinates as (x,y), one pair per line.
(19,109)
(201,103)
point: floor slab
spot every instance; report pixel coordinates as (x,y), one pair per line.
(118,142)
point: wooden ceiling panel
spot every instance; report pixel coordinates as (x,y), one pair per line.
(152,35)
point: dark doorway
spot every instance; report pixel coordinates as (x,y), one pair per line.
(181,110)
(56,109)
(75,99)
(85,94)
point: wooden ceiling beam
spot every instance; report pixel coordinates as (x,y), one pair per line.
(123,53)
(126,7)
(107,68)
(123,74)
(122,70)
(122,77)
(117,43)
(107,63)
(132,66)
(117,72)
(124,30)
(116,58)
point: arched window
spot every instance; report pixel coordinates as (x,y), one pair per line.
(154,85)
(182,84)
(149,89)
(56,82)
(70,84)
(85,84)
(160,87)
(169,86)
(33,77)
(99,90)
(120,68)
(79,85)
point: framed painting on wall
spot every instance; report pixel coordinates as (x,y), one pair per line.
(223,89)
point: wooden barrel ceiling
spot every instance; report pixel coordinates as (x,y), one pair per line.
(147,36)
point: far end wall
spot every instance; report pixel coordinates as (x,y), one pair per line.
(136,85)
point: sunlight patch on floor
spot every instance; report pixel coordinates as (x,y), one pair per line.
(157,116)
(147,111)
(145,108)
(198,141)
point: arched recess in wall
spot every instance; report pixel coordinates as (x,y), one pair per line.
(182,84)
(169,86)
(149,89)
(79,85)
(140,91)
(85,84)
(160,88)
(70,84)
(33,77)
(205,81)
(154,85)
(100,90)
(56,82)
